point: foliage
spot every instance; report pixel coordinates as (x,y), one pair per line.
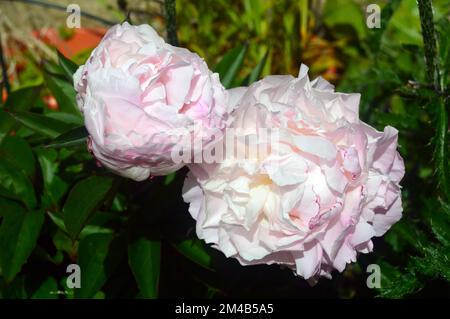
(136,240)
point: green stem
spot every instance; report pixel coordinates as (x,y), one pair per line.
(439,100)
(441,147)
(171,22)
(429,42)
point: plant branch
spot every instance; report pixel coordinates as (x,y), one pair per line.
(171,22)
(441,147)
(438,100)
(429,42)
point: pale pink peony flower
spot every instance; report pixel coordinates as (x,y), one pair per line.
(328,186)
(141,96)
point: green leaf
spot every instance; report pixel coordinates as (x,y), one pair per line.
(445,208)
(68,118)
(15,184)
(406,232)
(194,250)
(22,99)
(17,151)
(74,137)
(434,262)
(54,186)
(255,74)
(404,26)
(68,292)
(47,290)
(98,257)
(41,124)
(337,12)
(169,179)
(144,257)
(18,235)
(87,230)
(95,229)
(63,243)
(230,65)
(63,92)
(395,284)
(376,34)
(58,221)
(69,67)
(83,200)
(439,222)
(8,207)
(7,123)
(15,289)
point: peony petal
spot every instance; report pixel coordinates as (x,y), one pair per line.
(362,233)
(177,79)
(308,261)
(384,220)
(384,152)
(335,178)
(315,145)
(286,170)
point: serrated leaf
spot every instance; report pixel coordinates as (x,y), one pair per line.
(436,261)
(74,137)
(83,200)
(446,208)
(397,287)
(230,65)
(409,233)
(19,232)
(439,222)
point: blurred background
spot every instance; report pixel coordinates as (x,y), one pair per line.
(331,37)
(253,38)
